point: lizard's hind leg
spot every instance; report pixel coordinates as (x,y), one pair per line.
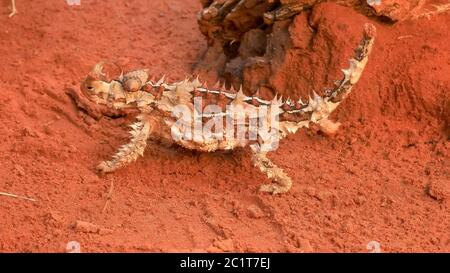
(128,153)
(282,181)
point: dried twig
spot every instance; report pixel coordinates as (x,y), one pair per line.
(13,8)
(87,227)
(108,196)
(405,37)
(17,196)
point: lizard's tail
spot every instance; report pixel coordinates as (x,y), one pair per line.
(319,108)
(357,64)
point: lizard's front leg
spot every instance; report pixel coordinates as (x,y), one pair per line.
(282,181)
(128,153)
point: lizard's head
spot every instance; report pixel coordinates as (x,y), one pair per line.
(99,89)
(124,91)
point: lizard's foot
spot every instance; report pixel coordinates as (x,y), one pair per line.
(105,167)
(282,182)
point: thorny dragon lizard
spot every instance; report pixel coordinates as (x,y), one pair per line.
(155,101)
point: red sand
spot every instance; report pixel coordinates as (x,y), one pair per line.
(384,177)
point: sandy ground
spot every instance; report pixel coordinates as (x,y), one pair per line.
(383,178)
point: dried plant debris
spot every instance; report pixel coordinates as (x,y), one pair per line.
(13,8)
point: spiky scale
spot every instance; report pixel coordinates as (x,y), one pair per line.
(240,97)
(161,81)
(196,82)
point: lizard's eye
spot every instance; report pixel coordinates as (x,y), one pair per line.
(90,88)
